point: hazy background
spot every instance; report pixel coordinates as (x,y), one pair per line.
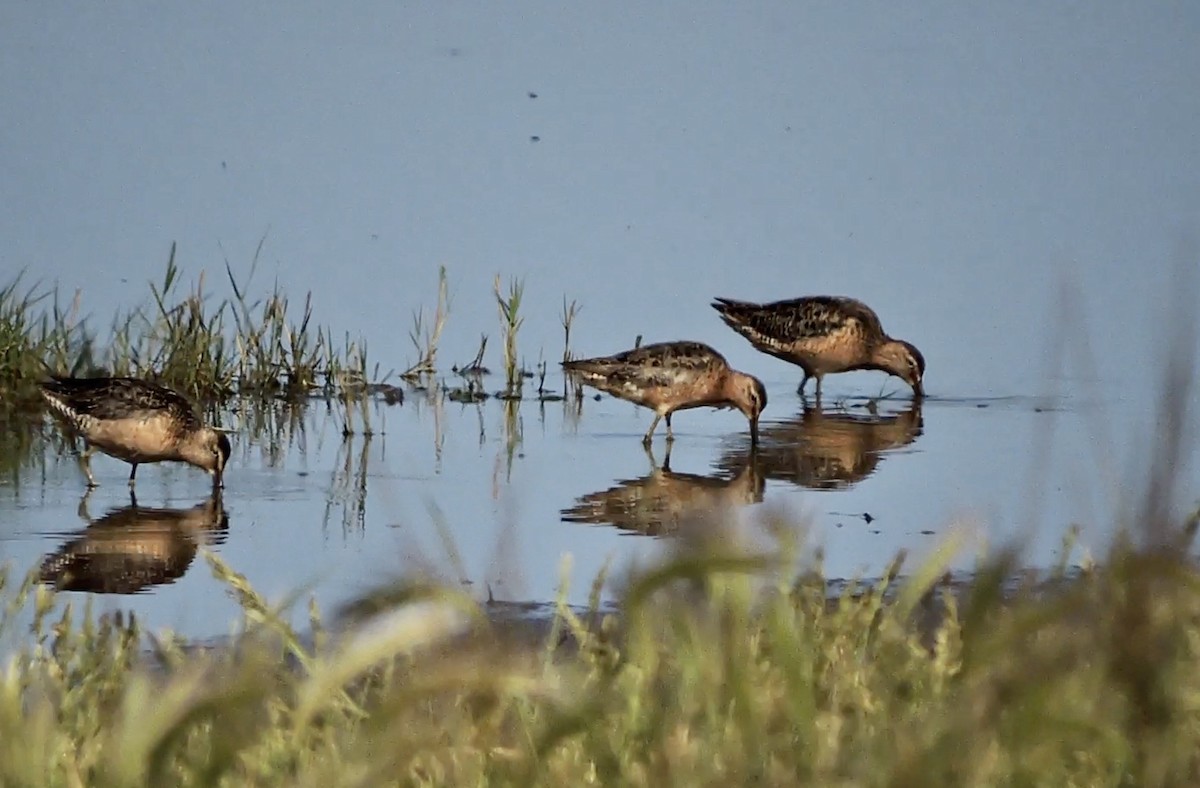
(955,165)
(949,163)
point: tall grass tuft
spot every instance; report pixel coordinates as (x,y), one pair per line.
(510,323)
(425,337)
(567,318)
(275,355)
(30,342)
(180,341)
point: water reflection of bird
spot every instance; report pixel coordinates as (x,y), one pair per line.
(671,376)
(135,421)
(824,335)
(132,547)
(827,450)
(657,503)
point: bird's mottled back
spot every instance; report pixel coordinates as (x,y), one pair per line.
(797,319)
(116,398)
(659,364)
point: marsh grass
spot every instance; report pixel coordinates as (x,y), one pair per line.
(475,367)
(209,348)
(567,319)
(33,337)
(724,666)
(509,307)
(253,349)
(425,336)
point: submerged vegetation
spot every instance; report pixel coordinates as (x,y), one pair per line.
(723,667)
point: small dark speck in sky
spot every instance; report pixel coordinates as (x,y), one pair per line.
(532,94)
(535,138)
(222,165)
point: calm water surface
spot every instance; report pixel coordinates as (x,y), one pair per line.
(1010,185)
(495,496)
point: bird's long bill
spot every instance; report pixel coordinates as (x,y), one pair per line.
(918,389)
(754,431)
(218,480)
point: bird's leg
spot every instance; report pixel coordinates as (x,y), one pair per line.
(818,389)
(803,383)
(82,511)
(666,466)
(85,462)
(670,435)
(650,432)
(132,497)
(132,473)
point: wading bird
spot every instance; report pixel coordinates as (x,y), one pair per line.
(824,335)
(671,376)
(135,421)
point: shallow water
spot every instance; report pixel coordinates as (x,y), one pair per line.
(494,496)
(1012,188)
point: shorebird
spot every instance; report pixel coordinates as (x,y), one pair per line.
(135,421)
(671,376)
(824,335)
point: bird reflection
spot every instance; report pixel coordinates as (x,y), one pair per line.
(131,548)
(827,449)
(658,502)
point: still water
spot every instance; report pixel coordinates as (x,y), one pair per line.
(1011,186)
(506,499)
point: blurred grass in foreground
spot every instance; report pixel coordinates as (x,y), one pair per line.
(721,668)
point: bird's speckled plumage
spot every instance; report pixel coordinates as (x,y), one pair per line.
(824,335)
(671,376)
(135,421)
